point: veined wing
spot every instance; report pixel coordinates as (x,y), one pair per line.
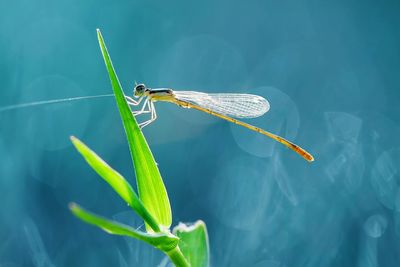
(235,105)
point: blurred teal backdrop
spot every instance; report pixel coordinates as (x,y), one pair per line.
(330,70)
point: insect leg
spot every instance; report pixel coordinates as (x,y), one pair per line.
(133,102)
(143,110)
(153,116)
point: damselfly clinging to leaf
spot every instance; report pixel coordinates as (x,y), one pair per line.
(225,106)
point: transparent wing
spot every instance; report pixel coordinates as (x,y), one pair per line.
(235,105)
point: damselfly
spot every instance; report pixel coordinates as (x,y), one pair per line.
(225,106)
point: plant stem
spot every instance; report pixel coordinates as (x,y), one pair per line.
(177,257)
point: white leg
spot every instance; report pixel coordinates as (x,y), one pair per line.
(133,102)
(154,111)
(143,110)
(153,116)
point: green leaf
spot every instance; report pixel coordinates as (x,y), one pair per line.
(116,181)
(194,243)
(149,182)
(163,241)
(176,256)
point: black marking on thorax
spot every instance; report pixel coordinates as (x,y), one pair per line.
(160,91)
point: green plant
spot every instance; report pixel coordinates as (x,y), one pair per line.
(186,245)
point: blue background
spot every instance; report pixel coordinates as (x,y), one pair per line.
(330,70)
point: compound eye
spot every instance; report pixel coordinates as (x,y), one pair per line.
(139,89)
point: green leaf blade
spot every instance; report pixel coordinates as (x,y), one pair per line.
(116,181)
(150,185)
(163,241)
(194,243)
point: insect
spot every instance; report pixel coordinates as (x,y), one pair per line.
(225,106)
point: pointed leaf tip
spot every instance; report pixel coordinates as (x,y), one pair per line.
(72,205)
(72,138)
